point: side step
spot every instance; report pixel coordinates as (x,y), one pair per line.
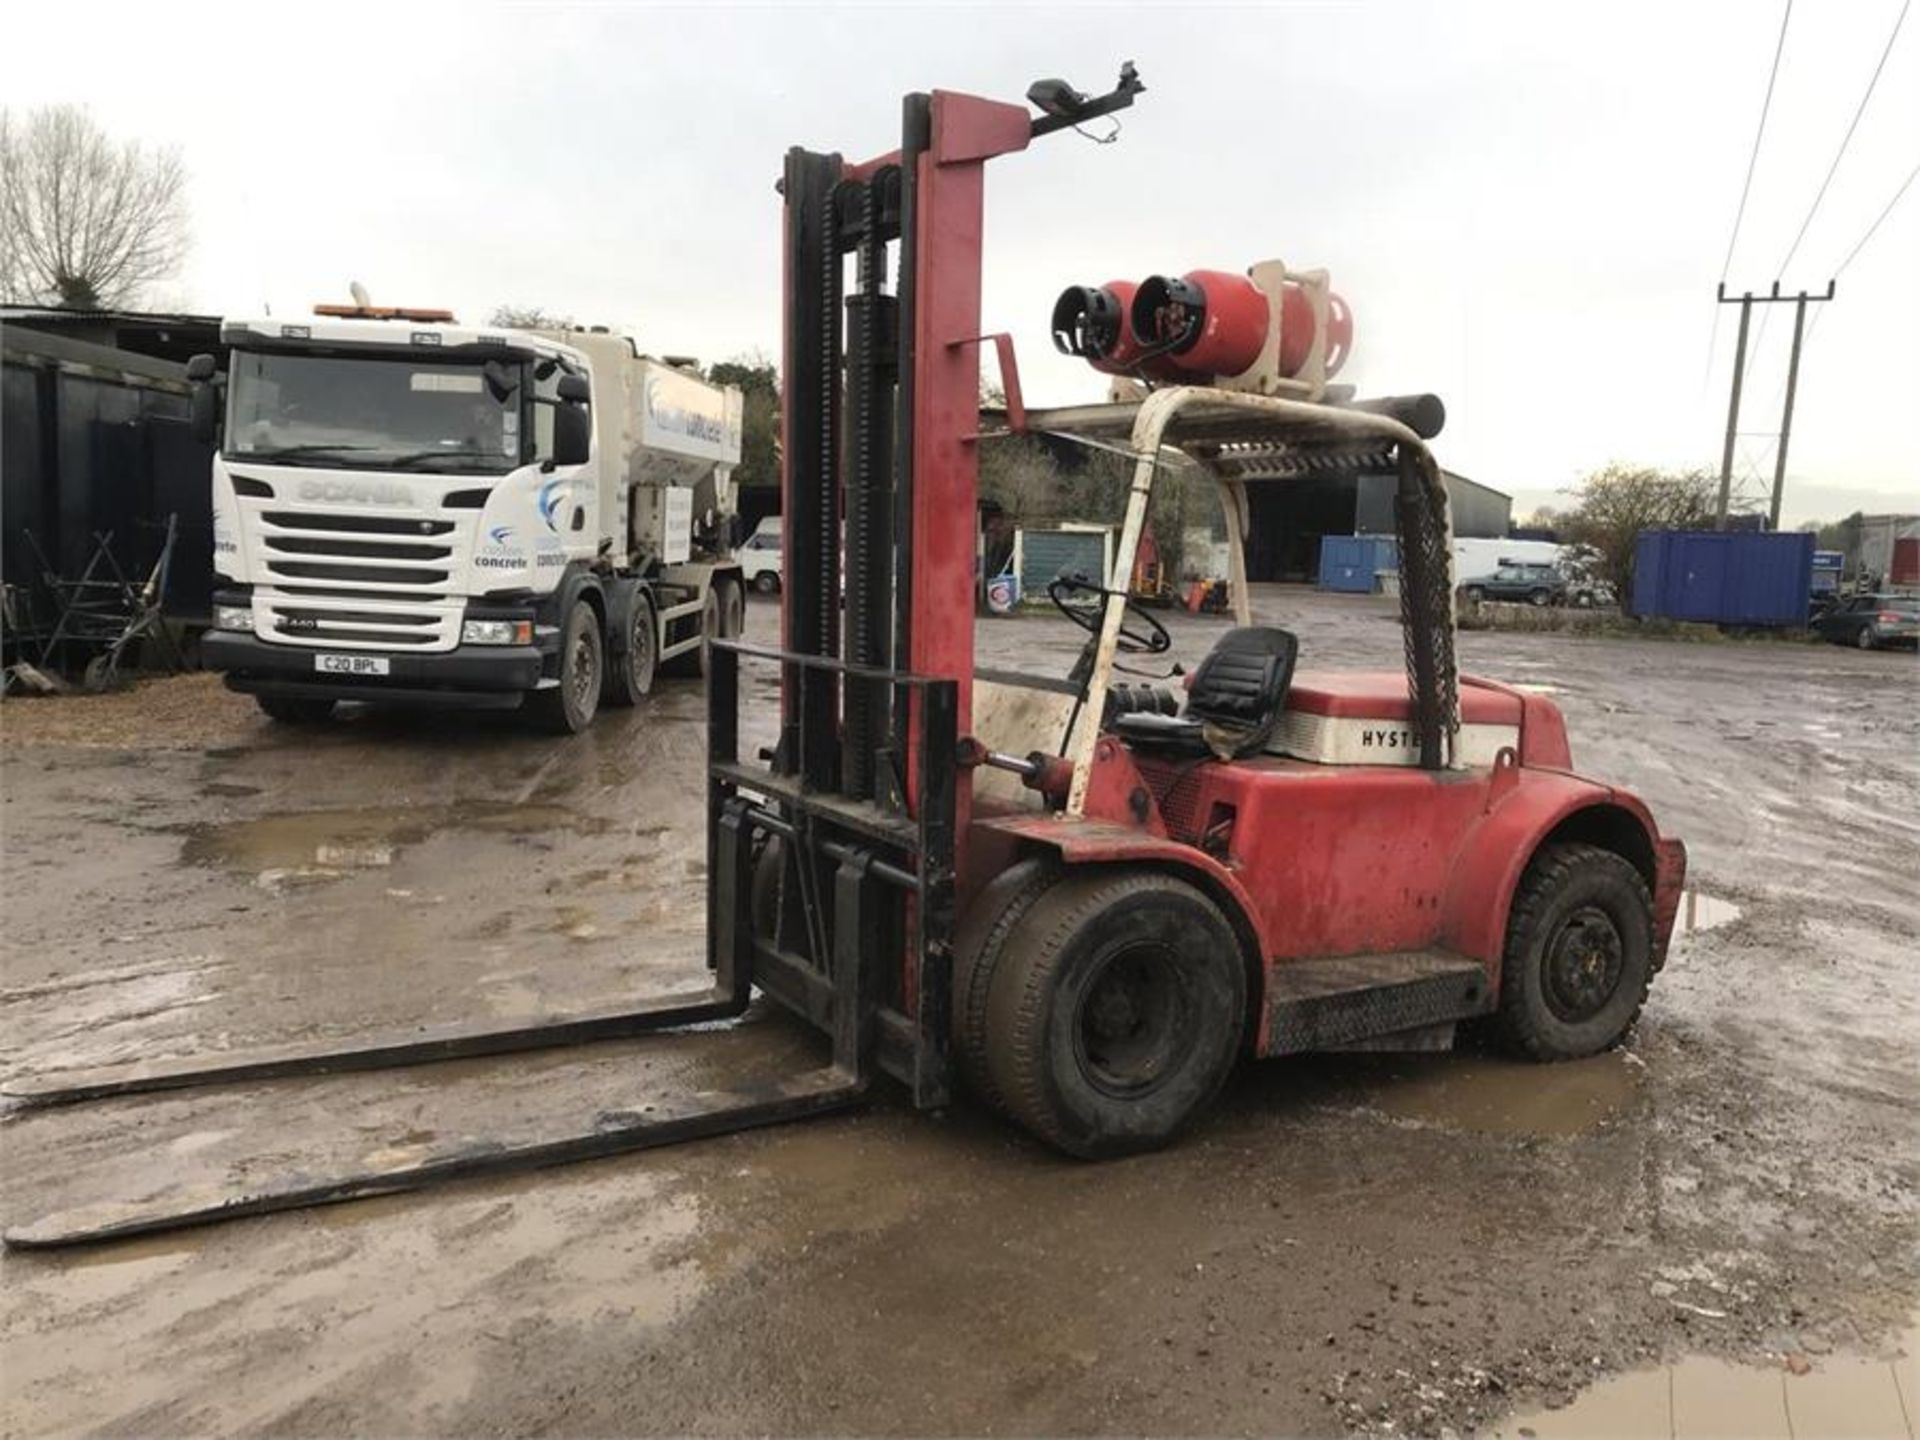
(612,1132)
(1327,1004)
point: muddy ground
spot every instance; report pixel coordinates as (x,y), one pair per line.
(1353,1243)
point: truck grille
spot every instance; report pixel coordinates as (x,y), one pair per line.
(357,581)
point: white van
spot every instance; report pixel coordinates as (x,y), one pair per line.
(760,557)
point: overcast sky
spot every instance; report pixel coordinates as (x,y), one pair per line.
(1526,204)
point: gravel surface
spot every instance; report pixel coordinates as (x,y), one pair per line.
(1382,1244)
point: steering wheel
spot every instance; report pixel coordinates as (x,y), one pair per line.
(1154,640)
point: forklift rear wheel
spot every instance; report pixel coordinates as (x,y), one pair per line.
(630,676)
(288,710)
(1115,1011)
(1579,954)
(569,707)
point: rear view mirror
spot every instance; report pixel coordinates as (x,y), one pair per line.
(576,388)
(204,410)
(572,433)
(502,380)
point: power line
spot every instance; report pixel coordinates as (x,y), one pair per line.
(1753,157)
(1846,139)
(1746,187)
(1861,243)
(1838,155)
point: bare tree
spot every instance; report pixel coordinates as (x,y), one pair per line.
(85,221)
(528,317)
(1612,506)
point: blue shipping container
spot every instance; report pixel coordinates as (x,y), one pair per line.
(1723,577)
(1349,563)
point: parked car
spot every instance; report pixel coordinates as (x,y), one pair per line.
(1871,621)
(759,557)
(1533,584)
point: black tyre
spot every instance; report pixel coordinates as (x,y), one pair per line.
(1475,594)
(1579,954)
(1539,597)
(979,944)
(733,610)
(569,707)
(630,676)
(1583,600)
(287,710)
(1863,637)
(767,887)
(1115,1012)
(767,583)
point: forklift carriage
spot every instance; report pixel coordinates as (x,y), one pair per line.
(1084,899)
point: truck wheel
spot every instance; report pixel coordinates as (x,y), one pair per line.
(630,676)
(979,944)
(1115,1013)
(568,708)
(733,611)
(694,662)
(287,710)
(767,583)
(1579,954)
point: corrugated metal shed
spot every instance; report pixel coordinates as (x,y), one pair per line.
(1044,555)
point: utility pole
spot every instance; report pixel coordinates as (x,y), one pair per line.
(1746,302)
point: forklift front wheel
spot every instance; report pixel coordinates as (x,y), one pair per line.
(1115,1010)
(978,946)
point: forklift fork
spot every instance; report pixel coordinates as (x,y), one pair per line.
(861,848)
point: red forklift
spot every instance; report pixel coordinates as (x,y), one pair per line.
(1085,898)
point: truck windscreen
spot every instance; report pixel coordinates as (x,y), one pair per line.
(371,413)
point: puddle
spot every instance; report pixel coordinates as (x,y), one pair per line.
(320,845)
(108,1275)
(1829,1396)
(1704,912)
(1508,1097)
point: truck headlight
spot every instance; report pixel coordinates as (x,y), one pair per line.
(233,617)
(496,632)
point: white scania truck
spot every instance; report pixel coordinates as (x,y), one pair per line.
(411,511)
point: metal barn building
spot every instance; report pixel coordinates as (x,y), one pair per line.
(1289,519)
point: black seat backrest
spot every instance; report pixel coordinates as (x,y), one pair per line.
(1240,689)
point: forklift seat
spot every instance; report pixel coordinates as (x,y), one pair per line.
(1234,703)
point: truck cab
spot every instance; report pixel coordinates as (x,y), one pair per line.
(411,511)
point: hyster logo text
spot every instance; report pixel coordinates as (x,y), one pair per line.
(356,492)
(1386,739)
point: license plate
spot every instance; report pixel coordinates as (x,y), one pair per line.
(350,664)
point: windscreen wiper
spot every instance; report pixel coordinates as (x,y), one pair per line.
(401,462)
(286,450)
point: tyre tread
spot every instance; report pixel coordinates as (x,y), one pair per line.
(1514,1028)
